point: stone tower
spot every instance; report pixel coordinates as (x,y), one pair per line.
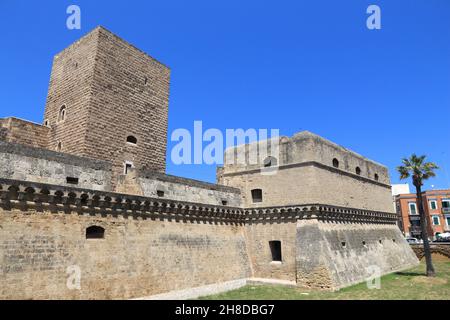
(109,100)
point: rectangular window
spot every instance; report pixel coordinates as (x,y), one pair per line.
(257,195)
(447,219)
(71,180)
(412,208)
(275,249)
(433,204)
(127,166)
(436,221)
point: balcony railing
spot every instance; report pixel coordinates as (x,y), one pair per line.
(445,210)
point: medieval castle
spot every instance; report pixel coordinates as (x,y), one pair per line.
(86,190)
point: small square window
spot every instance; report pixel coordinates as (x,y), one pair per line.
(72,180)
(256,195)
(160,193)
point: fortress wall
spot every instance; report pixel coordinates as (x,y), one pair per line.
(190,192)
(18,162)
(333,255)
(258,237)
(24,132)
(310,184)
(150,184)
(334,188)
(283,188)
(138,257)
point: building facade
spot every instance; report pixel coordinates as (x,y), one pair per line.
(436,205)
(85,195)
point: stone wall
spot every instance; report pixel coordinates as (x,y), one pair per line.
(334,255)
(154,245)
(259,235)
(154,184)
(137,257)
(19,162)
(28,133)
(438,250)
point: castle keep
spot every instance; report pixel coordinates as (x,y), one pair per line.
(86,190)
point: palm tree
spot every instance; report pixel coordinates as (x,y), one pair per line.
(420,170)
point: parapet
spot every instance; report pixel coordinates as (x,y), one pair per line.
(155,184)
(21,162)
(302,148)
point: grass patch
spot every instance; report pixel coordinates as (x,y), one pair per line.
(409,285)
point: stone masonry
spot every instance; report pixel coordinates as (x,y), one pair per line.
(110,91)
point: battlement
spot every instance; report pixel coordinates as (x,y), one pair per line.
(26,196)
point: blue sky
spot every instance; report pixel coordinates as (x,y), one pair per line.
(292,65)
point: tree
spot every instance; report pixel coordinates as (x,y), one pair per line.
(419,170)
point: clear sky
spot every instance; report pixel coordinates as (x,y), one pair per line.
(292,65)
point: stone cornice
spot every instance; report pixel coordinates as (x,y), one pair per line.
(25,196)
(311,164)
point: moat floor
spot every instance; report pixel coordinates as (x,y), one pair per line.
(410,285)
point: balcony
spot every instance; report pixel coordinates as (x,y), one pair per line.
(445,210)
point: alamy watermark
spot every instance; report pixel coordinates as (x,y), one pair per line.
(73,21)
(374,280)
(374,20)
(74,277)
(232,147)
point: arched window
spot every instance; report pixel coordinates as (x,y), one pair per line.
(335,163)
(358,170)
(95,232)
(132,139)
(46,123)
(270,162)
(59,146)
(62,113)
(257,195)
(376,177)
